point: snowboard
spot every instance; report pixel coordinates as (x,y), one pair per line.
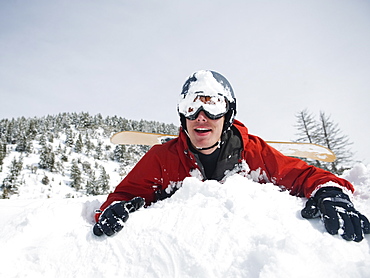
(295,149)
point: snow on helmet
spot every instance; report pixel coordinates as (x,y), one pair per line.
(210,92)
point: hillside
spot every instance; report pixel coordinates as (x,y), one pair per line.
(67,155)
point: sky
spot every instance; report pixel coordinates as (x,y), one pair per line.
(131,58)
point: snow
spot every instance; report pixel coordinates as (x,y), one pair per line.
(206,229)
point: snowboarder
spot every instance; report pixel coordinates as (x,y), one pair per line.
(212,144)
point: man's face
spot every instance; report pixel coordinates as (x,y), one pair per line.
(204,132)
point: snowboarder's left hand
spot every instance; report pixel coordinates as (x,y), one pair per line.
(337,212)
(112,219)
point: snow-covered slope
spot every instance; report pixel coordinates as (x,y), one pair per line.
(207,229)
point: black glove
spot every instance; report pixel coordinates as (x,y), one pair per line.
(112,219)
(337,211)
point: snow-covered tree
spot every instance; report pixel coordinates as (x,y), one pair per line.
(11,182)
(2,153)
(99,150)
(76,176)
(78,144)
(47,158)
(91,184)
(69,137)
(103,181)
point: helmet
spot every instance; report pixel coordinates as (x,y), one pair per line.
(210,92)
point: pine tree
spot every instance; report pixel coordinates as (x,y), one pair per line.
(69,138)
(118,153)
(50,137)
(103,181)
(79,144)
(308,132)
(84,120)
(332,138)
(42,140)
(122,155)
(47,158)
(86,167)
(21,143)
(324,132)
(32,129)
(91,184)
(2,153)
(76,176)
(99,151)
(11,182)
(306,126)
(89,145)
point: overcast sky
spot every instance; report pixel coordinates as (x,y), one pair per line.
(131,58)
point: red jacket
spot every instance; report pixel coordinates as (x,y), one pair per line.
(164,166)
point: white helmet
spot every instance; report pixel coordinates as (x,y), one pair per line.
(210,92)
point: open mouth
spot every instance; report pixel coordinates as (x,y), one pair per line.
(202,130)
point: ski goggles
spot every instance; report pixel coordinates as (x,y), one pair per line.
(213,106)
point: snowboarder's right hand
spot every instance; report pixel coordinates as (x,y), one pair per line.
(112,219)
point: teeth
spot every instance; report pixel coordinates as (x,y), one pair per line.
(202,129)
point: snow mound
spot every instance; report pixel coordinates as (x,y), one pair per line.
(207,229)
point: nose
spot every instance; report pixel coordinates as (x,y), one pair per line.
(202,117)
